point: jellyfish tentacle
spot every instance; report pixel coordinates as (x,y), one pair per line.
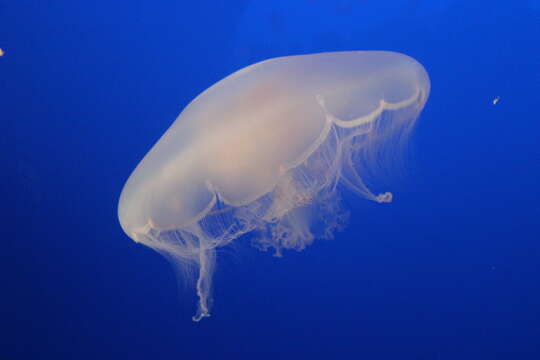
(353,181)
(207,259)
(385,197)
(362,126)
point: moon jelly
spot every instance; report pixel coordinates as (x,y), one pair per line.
(267,150)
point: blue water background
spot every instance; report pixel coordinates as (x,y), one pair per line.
(450,270)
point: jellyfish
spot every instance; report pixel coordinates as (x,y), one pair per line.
(267,151)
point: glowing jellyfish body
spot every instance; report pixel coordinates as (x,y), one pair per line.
(265,150)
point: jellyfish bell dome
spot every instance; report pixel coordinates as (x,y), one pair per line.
(265,150)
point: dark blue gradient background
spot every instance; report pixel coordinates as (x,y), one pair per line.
(450,270)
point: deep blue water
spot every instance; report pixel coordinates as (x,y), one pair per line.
(449,270)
